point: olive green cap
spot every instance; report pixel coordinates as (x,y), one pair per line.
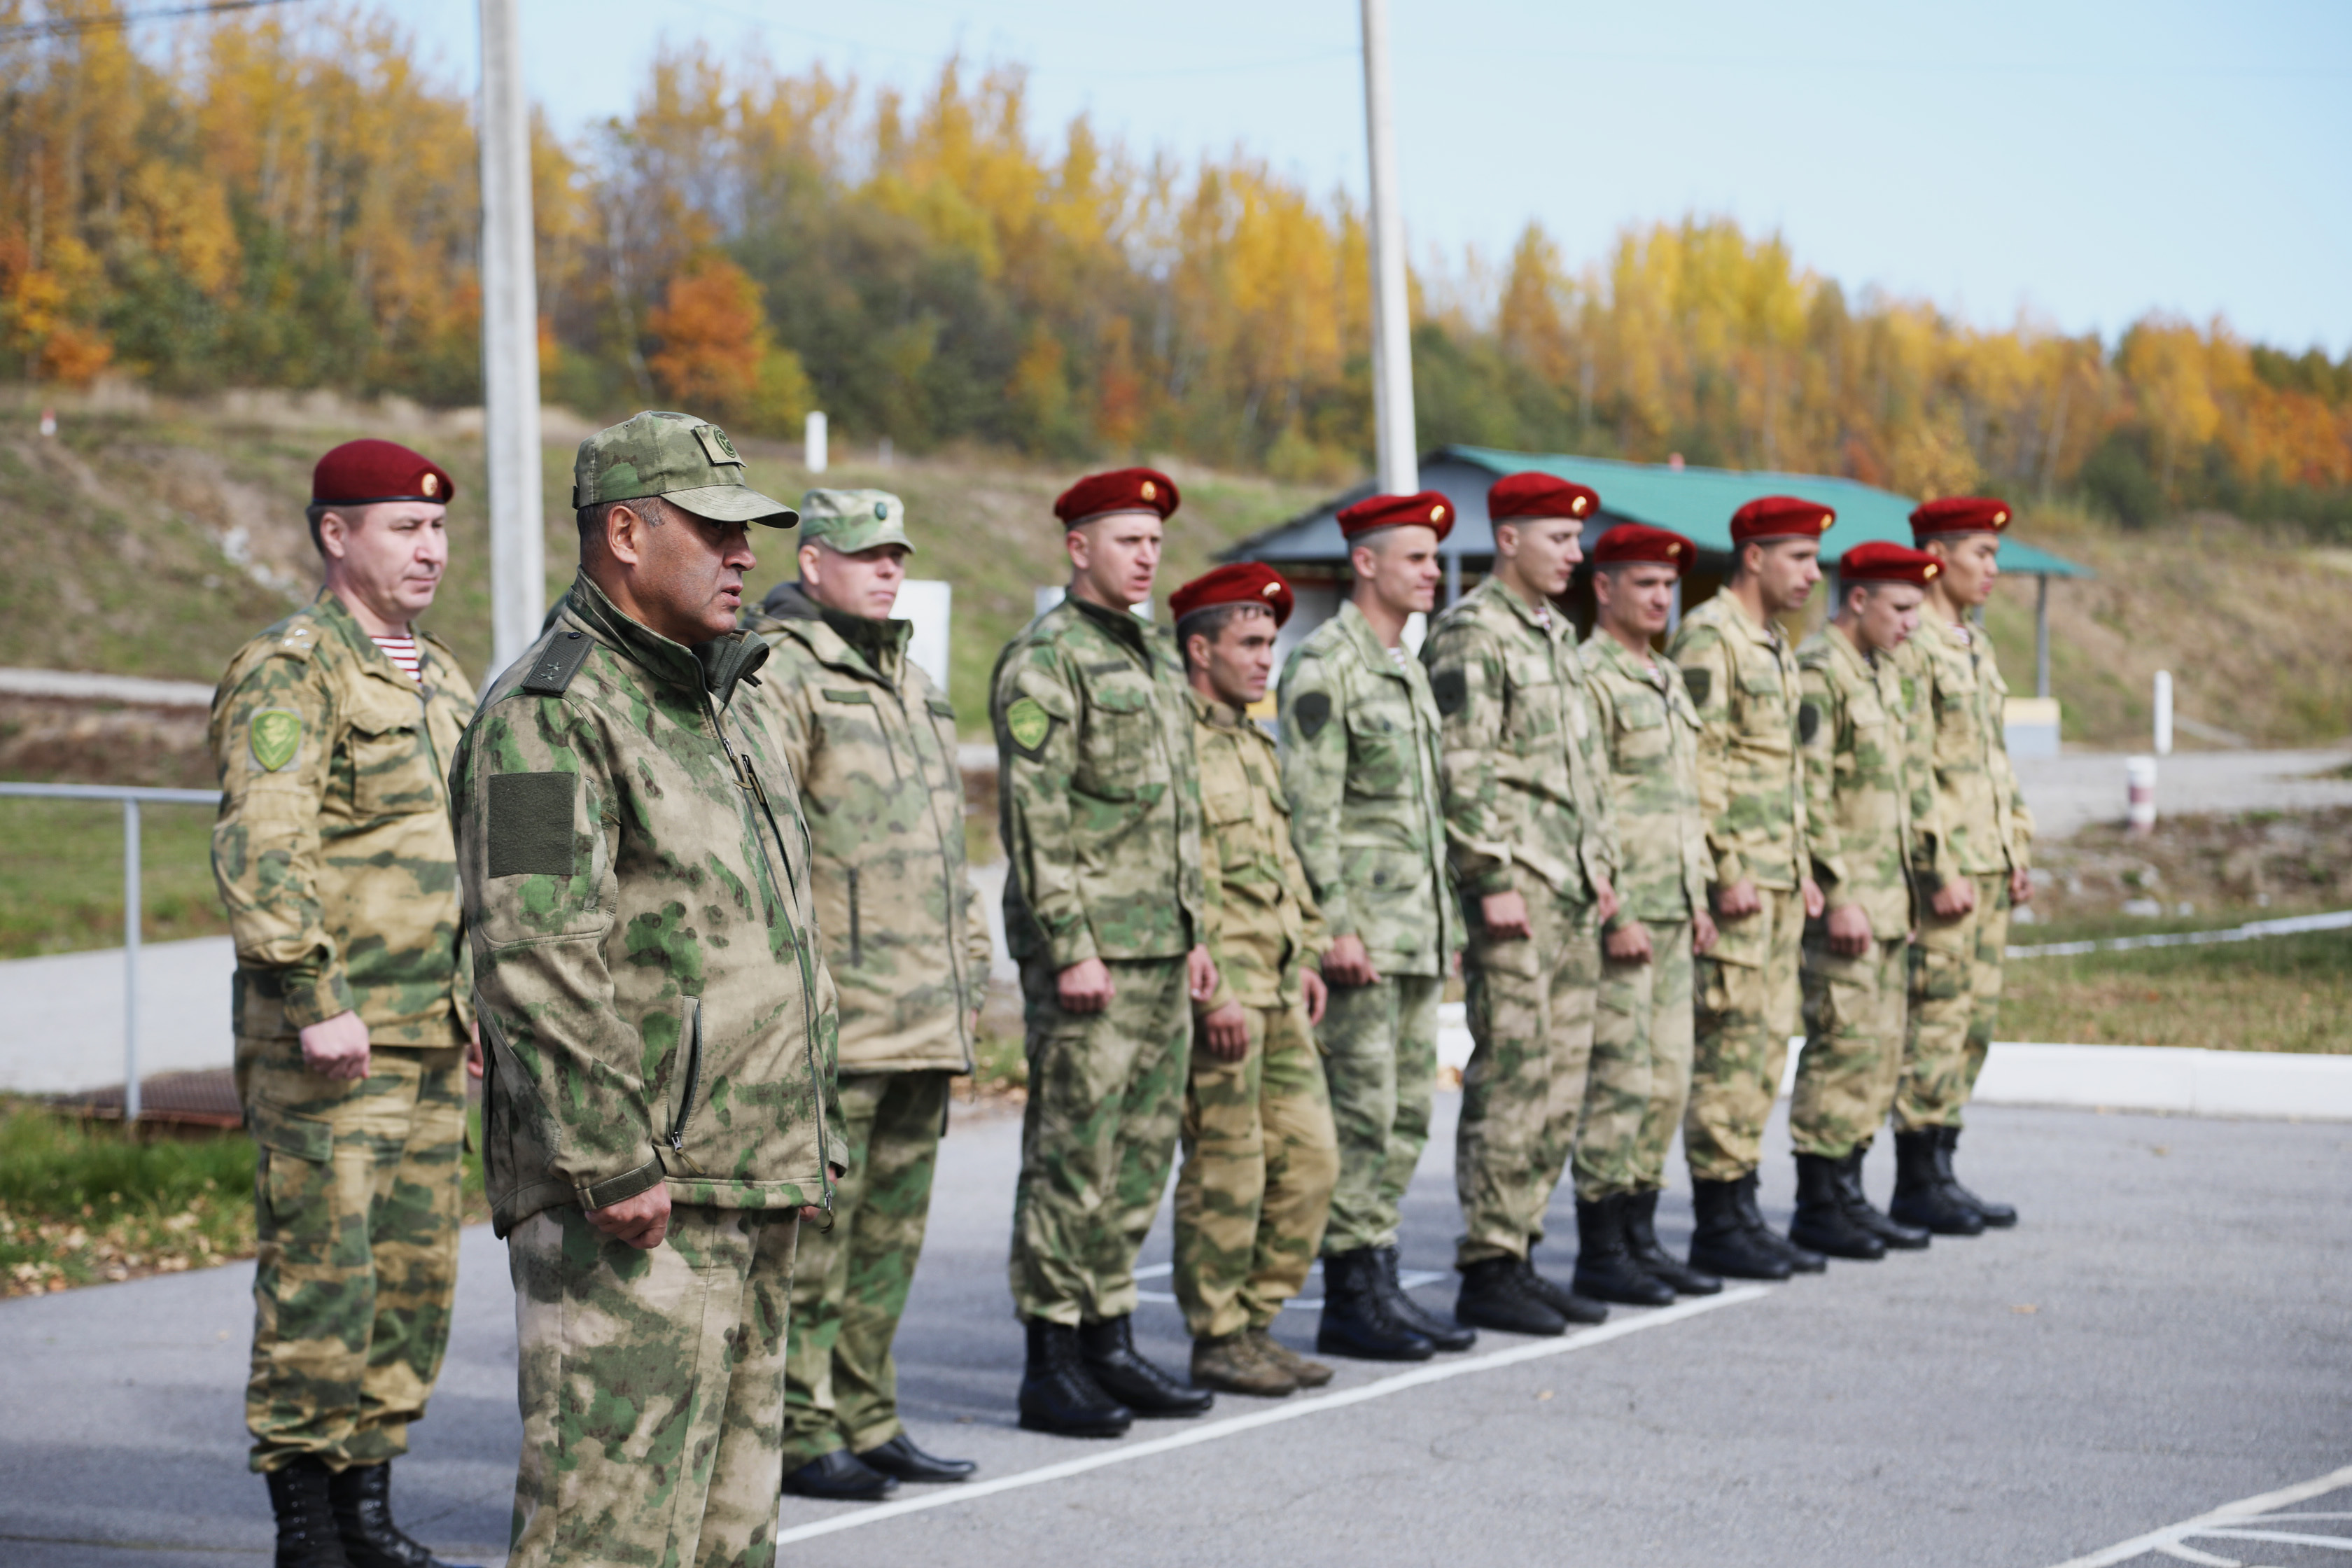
(851,520)
(686,461)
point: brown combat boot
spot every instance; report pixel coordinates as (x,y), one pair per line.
(1304,1372)
(1232,1363)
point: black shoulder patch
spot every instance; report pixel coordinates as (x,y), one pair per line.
(531,824)
(553,672)
(1809,722)
(1451,687)
(1312,711)
(1700,682)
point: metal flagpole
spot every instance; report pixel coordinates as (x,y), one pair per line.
(1400,460)
(510,343)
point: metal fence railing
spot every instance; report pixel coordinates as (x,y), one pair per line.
(132,904)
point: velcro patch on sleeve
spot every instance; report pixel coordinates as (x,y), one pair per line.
(1700,680)
(1312,710)
(277,735)
(1809,722)
(1027,722)
(531,824)
(1451,687)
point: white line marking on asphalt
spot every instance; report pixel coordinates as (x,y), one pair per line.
(1409,1280)
(2245,1511)
(2287,925)
(1232,1426)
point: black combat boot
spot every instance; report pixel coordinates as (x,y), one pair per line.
(1058,1395)
(1437,1331)
(1641,1241)
(1898,1237)
(1605,1268)
(306,1537)
(1800,1259)
(1920,1196)
(1495,1295)
(902,1459)
(361,1499)
(1110,1349)
(1560,1298)
(2000,1216)
(839,1477)
(1721,1242)
(1356,1317)
(1821,1222)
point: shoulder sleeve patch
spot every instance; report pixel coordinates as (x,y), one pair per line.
(531,824)
(1028,723)
(1699,680)
(277,735)
(1312,711)
(1451,687)
(551,676)
(1809,722)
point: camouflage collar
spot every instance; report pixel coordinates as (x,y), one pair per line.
(1214,709)
(1369,648)
(1557,627)
(1124,625)
(332,612)
(1621,656)
(852,643)
(639,644)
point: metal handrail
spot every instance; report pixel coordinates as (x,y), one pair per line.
(132,797)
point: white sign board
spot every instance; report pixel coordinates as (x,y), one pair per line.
(928,604)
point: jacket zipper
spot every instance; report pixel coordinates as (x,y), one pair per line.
(693,1080)
(856,945)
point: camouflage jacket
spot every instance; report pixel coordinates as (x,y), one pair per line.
(655,1006)
(1524,774)
(1743,679)
(1099,806)
(872,745)
(1651,729)
(1359,764)
(1862,768)
(1979,825)
(332,849)
(1263,922)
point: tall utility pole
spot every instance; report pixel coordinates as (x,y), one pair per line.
(510,343)
(1399,457)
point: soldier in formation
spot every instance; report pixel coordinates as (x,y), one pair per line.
(1260,1155)
(331,733)
(1362,770)
(1532,842)
(1641,1038)
(870,742)
(1972,841)
(1859,742)
(1104,909)
(658,1019)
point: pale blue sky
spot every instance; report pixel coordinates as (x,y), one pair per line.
(2084,162)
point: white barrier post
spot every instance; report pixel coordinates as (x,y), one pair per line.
(812,453)
(2139,793)
(2164,712)
(131,902)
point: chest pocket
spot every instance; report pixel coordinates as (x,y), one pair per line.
(391,758)
(1535,701)
(1119,752)
(1379,746)
(1765,722)
(1640,735)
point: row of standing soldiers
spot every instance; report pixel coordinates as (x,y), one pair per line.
(687,890)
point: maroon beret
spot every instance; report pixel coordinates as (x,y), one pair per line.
(357,473)
(1539,494)
(1959,514)
(1236,583)
(1426,509)
(1121,490)
(1630,542)
(1780,517)
(1883,561)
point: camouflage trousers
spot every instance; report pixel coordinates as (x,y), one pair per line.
(1260,1160)
(356,1199)
(1748,1006)
(1380,1058)
(841,1383)
(652,1387)
(1097,1136)
(1853,1045)
(1955,981)
(1634,1094)
(1530,1007)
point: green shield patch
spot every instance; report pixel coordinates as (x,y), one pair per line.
(1026,722)
(276,736)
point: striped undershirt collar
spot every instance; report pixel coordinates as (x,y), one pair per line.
(402,651)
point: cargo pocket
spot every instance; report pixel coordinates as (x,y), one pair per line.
(296,1180)
(390,760)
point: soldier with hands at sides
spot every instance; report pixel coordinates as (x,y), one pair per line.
(1260,1155)
(1641,1075)
(1533,843)
(657,1019)
(871,743)
(1971,853)
(331,732)
(1862,772)
(1741,673)
(1362,771)
(1100,812)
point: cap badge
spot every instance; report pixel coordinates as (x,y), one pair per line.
(430,484)
(1999,518)
(1437,514)
(1930,570)
(1149,491)
(1271,589)
(1576,506)
(716,445)
(1673,551)
(881,511)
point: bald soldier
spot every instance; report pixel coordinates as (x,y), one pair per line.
(1972,857)
(1100,811)
(332,733)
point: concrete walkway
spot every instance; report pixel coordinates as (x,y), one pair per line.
(2071,791)
(61,1016)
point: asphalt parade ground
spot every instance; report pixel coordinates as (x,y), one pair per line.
(2154,1367)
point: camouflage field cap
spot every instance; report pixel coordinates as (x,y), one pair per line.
(686,461)
(851,520)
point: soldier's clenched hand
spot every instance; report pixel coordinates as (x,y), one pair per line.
(1739,900)
(1850,932)
(641,1221)
(1810,892)
(1604,905)
(1504,914)
(1346,963)
(1703,932)
(1227,1032)
(1630,943)
(1316,995)
(1955,897)
(1085,986)
(1201,973)
(337,1047)
(2020,886)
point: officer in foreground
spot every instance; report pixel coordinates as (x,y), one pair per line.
(1972,855)
(1862,770)
(1100,812)
(1742,675)
(1260,1155)
(871,743)
(657,1020)
(1361,769)
(331,733)
(1641,1076)
(1533,843)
